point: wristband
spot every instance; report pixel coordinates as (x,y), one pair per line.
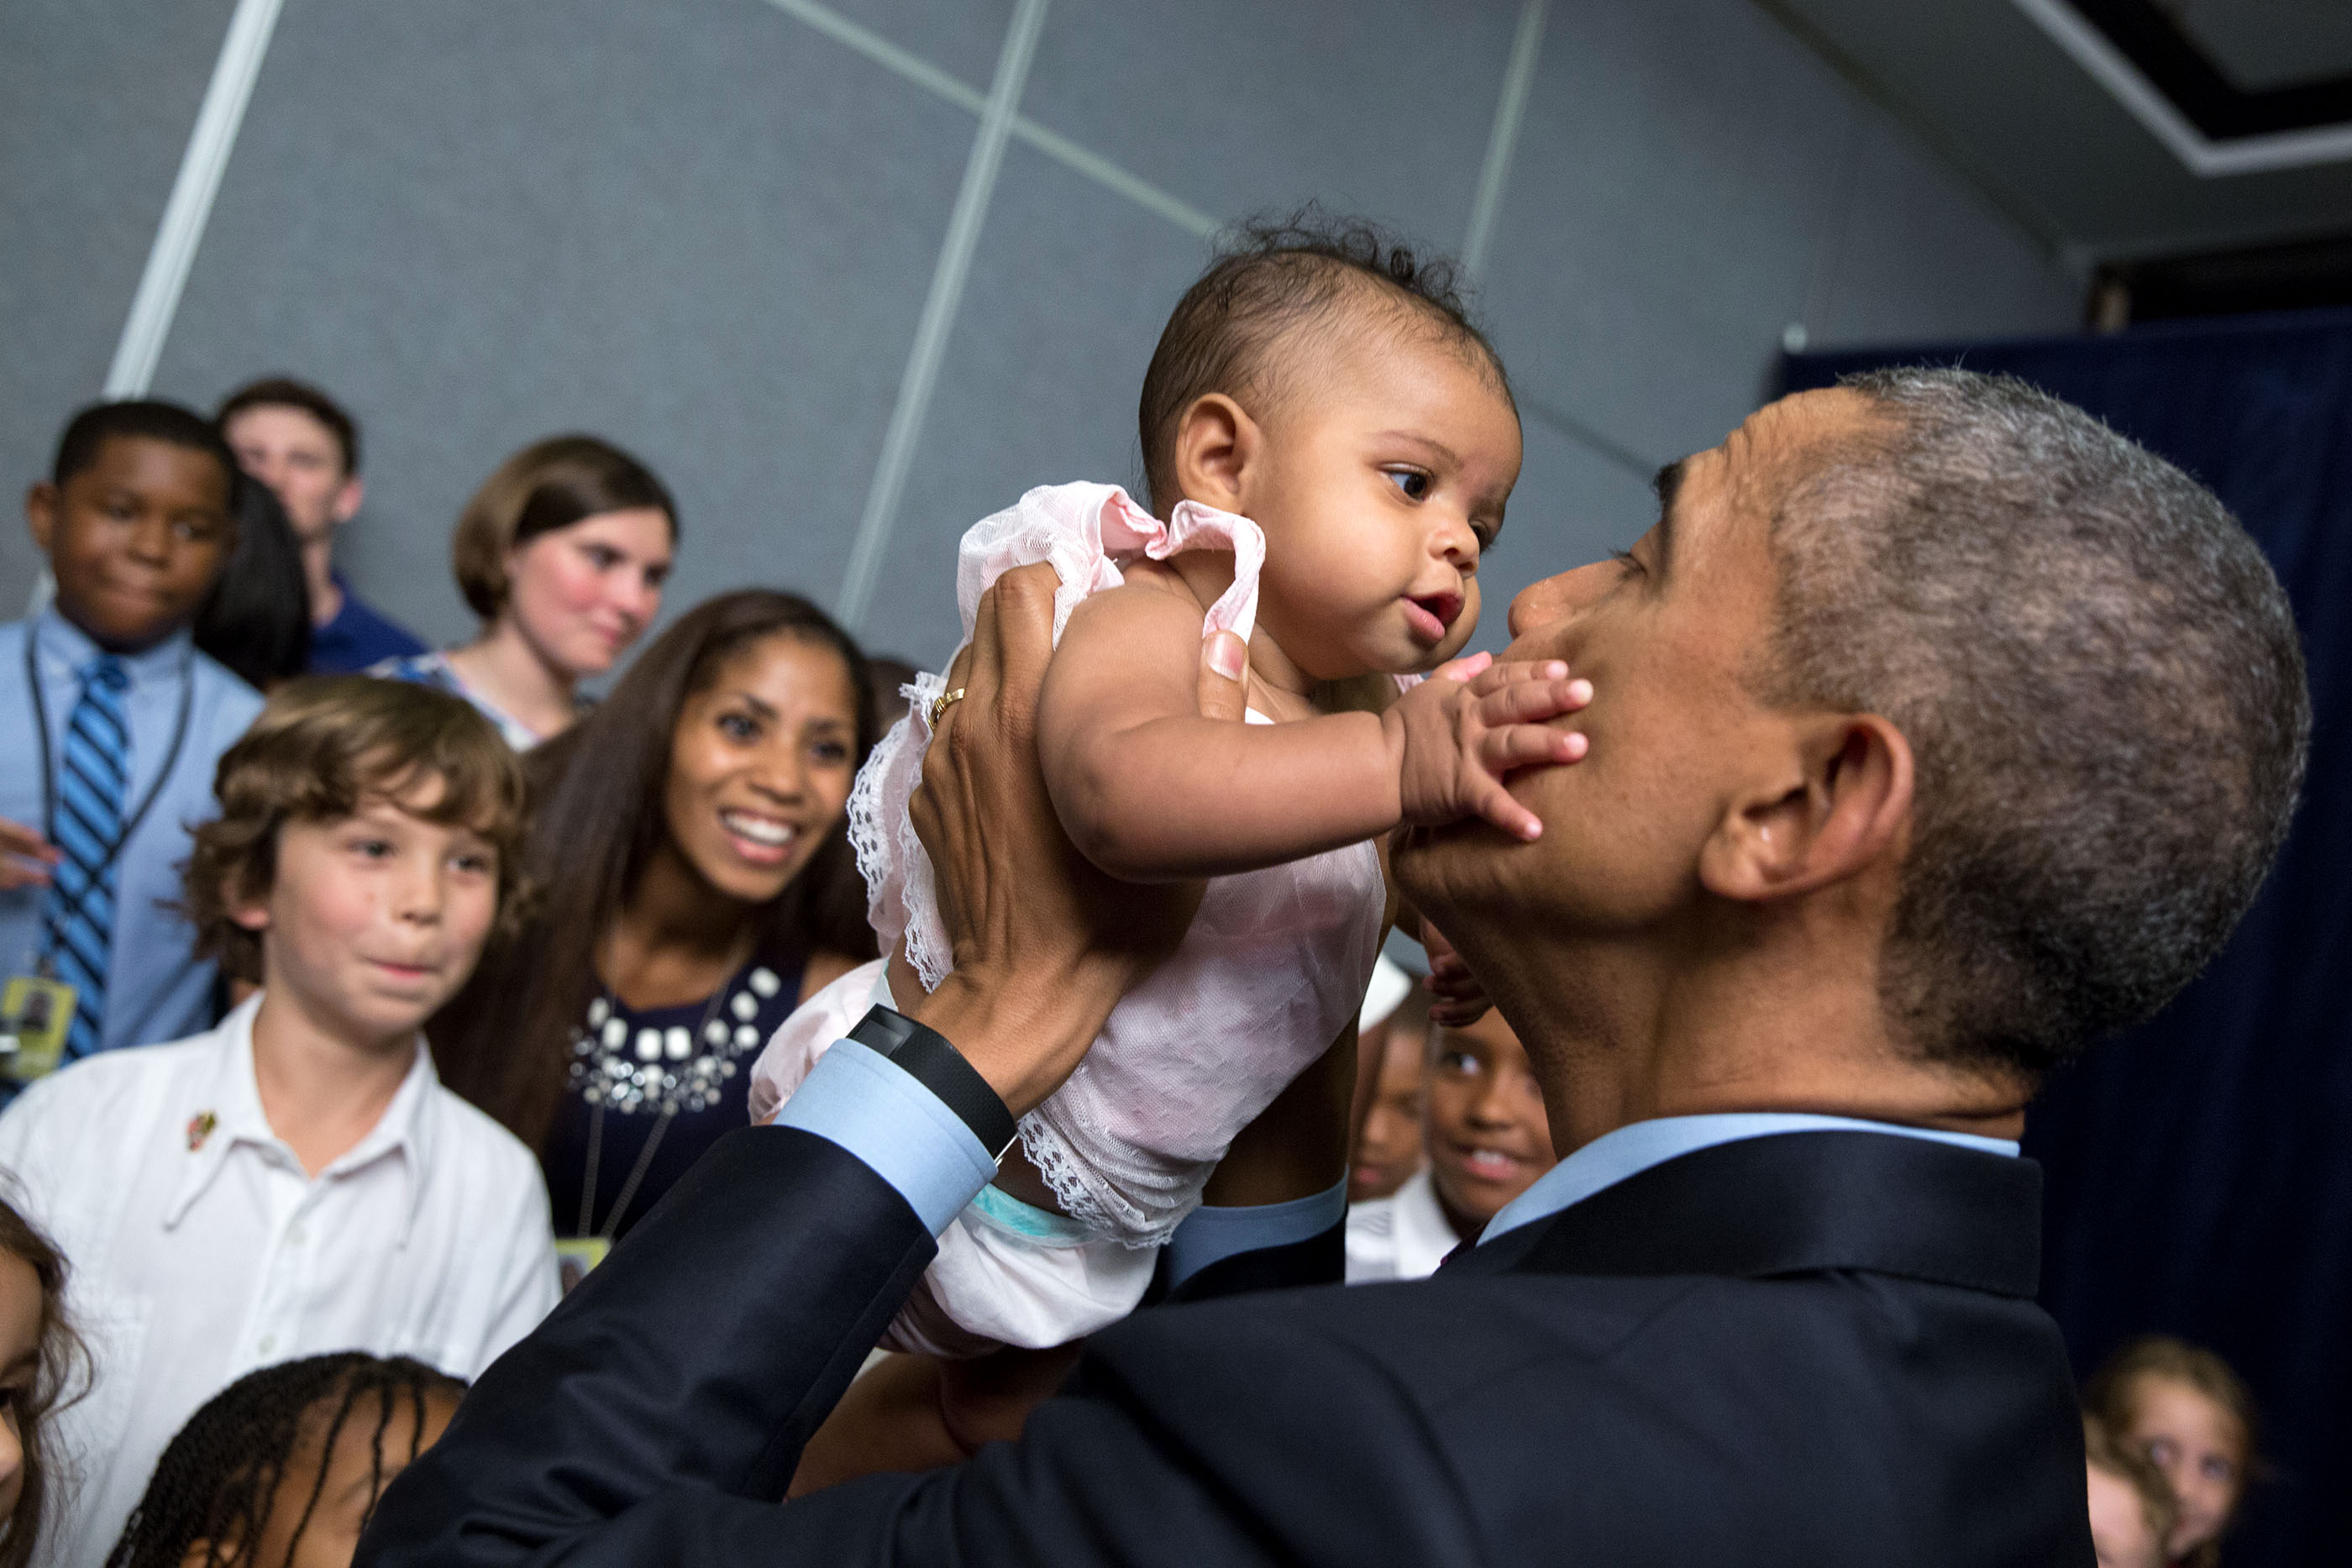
(925,1055)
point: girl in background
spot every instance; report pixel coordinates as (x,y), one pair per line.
(689,839)
(42,1366)
(2194,1418)
(563,553)
(282,1468)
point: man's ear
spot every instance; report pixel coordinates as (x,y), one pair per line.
(41,513)
(1216,441)
(1840,807)
(347,499)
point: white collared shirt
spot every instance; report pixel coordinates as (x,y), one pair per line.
(1404,1236)
(199,1249)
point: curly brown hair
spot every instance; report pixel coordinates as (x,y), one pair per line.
(321,748)
(61,1374)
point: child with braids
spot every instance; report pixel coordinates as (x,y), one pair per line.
(1328,445)
(41,1367)
(297,1181)
(282,1468)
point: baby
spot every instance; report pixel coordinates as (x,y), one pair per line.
(1331,443)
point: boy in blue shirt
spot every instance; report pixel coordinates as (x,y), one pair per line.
(114,723)
(305,446)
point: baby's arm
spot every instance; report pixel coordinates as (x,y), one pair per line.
(1149,790)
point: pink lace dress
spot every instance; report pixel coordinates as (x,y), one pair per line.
(1273,965)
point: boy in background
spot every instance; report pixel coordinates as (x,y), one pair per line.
(1391,1056)
(297,1181)
(1488,1139)
(116,721)
(300,442)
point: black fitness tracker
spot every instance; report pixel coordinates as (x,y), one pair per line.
(925,1055)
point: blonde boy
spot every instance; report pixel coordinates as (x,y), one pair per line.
(297,1181)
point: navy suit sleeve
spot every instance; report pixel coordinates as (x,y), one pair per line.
(688,1370)
(658,1413)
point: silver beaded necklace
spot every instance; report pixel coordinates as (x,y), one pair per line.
(659,1071)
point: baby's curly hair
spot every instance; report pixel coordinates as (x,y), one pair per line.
(1272,276)
(320,750)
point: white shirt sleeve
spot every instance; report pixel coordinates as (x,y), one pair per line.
(523,1252)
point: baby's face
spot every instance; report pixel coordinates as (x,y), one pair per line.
(1383,475)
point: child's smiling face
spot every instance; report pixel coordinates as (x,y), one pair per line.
(2201,1449)
(1489,1137)
(375,919)
(134,540)
(1385,464)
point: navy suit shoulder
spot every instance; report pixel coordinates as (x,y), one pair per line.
(1814,1348)
(1830,1356)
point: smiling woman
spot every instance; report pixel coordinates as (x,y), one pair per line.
(563,552)
(698,883)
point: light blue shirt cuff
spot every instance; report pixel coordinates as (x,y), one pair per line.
(1213,1235)
(856,1098)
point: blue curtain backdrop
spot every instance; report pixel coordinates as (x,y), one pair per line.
(2201,1168)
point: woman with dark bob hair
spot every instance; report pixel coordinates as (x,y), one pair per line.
(696,883)
(563,552)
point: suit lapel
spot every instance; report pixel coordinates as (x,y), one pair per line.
(1793,1203)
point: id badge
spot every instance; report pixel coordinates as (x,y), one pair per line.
(35,1014)
(576,1255)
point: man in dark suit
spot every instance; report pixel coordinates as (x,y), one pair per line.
(1937,731)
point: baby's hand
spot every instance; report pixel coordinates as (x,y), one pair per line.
(1459,732)
(1461,1001)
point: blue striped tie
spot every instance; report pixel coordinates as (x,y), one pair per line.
(91,788)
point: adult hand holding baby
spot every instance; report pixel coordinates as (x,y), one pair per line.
(1045,944)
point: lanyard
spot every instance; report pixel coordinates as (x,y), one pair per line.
(65,909)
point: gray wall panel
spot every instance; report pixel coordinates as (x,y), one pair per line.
(963,38)
(99,95)
(1923,256)
(709,243)
(1377,106)
(1641,280)
(1067,294)
(708,229)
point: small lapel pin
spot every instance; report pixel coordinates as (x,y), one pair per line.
(200,1127)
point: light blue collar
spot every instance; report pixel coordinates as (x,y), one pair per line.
(156,664)
(1631,1149)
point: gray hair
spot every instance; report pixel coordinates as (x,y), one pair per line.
(2100,680)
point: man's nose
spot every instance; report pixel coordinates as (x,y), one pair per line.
(1538,604)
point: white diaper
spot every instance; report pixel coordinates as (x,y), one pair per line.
(1015,1274)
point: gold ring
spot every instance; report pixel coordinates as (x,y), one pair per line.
(939,703)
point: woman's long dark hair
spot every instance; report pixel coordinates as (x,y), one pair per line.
(597,792)
(61,1375)
(256,618)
